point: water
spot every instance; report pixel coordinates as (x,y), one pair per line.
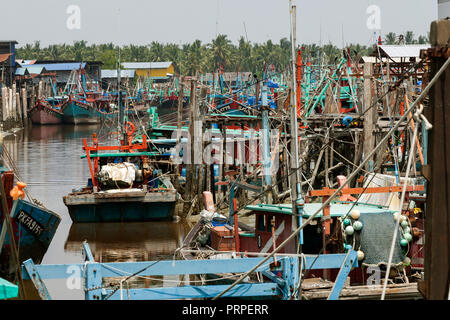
(48,160)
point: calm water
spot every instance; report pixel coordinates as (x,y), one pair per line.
(48,160)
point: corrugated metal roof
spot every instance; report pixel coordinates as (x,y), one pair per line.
(21,72)
(4,56)
(60,66)
(147,65)
(29,70)
(36,69)
(25,62)
(407,51)
(113,73)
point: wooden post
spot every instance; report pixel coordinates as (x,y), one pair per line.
(369,137)
(10,103)
(24,104)
(18,108)
(200,145)
(188,191)
(4,103)
(437,172)
(179,115)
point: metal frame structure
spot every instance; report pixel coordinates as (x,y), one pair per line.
(285,276)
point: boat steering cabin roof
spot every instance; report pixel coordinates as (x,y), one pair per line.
(337,209)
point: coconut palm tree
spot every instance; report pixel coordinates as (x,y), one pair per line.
(220,52)
(391,38)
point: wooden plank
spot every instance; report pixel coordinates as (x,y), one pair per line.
(437,227)
(329,192)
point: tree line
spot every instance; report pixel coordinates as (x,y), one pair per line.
(194,57)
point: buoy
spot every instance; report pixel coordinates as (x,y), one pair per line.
(407,261)
(404,223)
(396,215)
(355,214)
(403,218)
(357,225)
(349,230)
(408,237)
(360,255)
(347,222)
(407,230)
(403,243)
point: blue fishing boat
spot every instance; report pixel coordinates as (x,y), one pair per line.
(79,112)
(34,227)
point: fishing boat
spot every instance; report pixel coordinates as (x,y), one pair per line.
(343,225)
(124,185)
(47,112)
(34,227)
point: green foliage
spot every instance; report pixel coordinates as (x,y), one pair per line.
(194,57)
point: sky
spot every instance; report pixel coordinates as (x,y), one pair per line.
(183,21)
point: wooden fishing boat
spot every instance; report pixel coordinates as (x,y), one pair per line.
(124,186)
(78,112)
(372,227)
(34,227)
(44,113)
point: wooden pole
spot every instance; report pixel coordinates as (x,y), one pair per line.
(437,172)
(368,130)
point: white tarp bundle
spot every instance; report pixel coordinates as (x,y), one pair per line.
(388,199)
(125,172)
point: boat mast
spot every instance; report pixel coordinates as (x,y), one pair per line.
(295,179)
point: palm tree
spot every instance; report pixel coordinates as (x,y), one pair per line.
(220,52)
(391,38)
(409,38)
(156,51)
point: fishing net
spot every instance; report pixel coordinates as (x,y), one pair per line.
(376,239)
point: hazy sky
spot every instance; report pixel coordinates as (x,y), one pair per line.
(181,21)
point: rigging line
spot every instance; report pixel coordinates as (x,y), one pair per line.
(402,199)
(294,234)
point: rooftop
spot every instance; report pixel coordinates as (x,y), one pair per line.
(113,73)
(146,65)
(403,51)
(337,209)
(59,66)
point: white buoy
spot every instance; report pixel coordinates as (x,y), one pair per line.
(357,225)
(407,261)
(360,255)
(408,237)
(396,216)
(404,223)
(349,230)
(355,214)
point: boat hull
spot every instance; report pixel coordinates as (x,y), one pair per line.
(43,115)
(34,228)
(79,113)
(121,207)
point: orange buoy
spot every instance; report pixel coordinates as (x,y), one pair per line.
(17,192)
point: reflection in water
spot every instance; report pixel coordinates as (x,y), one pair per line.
(48,160)
(133,241)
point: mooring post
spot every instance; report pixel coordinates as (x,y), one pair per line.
(369,137)
(437,225)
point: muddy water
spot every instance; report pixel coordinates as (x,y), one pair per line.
(48,160)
